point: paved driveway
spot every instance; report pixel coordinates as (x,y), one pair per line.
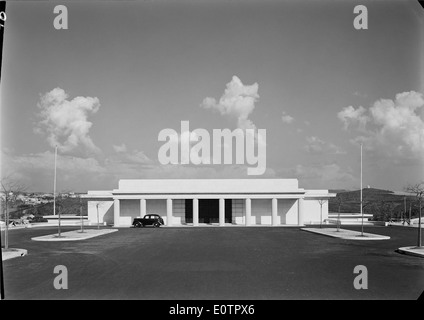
(214,263)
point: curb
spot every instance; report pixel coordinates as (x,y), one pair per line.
(412,251)
(13,253)
(354,236)
(66,237)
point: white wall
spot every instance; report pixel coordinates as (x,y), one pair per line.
(311,211)
(129,210)
(287,211)
(105,211)
(166,186)
(261,212)
(178,211)
(157,206)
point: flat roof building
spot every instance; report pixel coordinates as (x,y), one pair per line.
(273,202)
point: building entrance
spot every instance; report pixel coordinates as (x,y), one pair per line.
(208,210)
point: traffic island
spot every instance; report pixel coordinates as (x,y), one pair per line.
(75,235)
(412,251)
(11,253)
(346,234)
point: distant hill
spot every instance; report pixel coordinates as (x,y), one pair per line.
(337,190)
(382,204)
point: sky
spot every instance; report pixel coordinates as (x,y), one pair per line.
(103,89)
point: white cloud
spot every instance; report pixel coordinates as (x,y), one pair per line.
(138,157)
(36,170)
(359,94)
(316,145)
(237,101)
(125,157)
(78,174)
(324,176)
(287,118)
(400,122)
(395,128)
(66,121)
(45,161)
(350,115)
(121,148)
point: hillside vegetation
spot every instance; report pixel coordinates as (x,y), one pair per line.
(384,205)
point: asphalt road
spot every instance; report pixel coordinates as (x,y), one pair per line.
(214,263)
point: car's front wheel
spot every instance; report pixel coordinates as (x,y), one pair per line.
(137,225)
(156,225)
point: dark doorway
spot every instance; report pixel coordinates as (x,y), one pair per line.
(228,211)
(189,210)
(208,210)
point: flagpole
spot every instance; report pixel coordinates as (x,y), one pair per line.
(362,213)
(54,182)
(54,188)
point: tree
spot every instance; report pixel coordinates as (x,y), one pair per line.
(321,202)
(339,200)
(389,211)
(99,204)
(366,204)
(70,206)
(81,215)
(374,209)
(418,191)
(11,189)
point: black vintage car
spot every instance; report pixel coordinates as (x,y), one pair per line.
(148,220)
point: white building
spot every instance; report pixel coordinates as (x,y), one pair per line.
(216,201)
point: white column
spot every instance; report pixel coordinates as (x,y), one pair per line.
(168,212)
(221,212)
(116,212)
(195,212)
(248,212)
(300,211)
(275,212)
(143,206)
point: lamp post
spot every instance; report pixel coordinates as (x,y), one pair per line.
(419,225)
(98,223)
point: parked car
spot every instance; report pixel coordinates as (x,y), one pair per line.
(148,220)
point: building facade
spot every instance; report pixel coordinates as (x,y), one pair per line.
(248,202)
